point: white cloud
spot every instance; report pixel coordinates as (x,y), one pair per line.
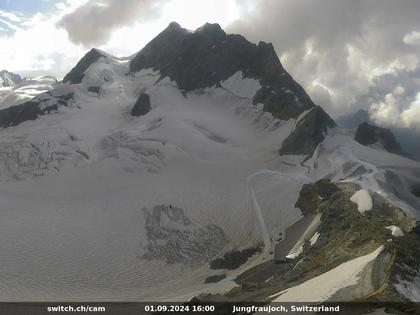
(94,22)
(104,18)
(399,90)
(411,115)
(38,46)
(343,44)
(386,112)
(412,38)
(390,112)
(11,16)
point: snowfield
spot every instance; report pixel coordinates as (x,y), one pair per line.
(363,200)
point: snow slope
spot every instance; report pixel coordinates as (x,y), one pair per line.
(340,158)
(323,287)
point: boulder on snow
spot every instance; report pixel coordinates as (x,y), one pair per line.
(15,115)
(94,89)
(142,105)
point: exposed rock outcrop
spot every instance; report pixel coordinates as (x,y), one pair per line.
(77,74)
(142,105)
(309,132)
(208,56)
(31,110)
(368,134)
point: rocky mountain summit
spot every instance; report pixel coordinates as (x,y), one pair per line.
(208,56)
(407,138)
(76,75)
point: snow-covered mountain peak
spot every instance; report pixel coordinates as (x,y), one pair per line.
(76,75)
(207,56)
(9,79)
(25,90)
(210,58)
(381,138)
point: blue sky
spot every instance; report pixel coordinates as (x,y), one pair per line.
(14,12)
(28,6)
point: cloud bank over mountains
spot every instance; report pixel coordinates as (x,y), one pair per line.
(347,54)
(93,22)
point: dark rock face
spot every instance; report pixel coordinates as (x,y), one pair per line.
(204,58)
(208,56)
(311,195)
(142,106)
(415,190)
(15,115)
(309,132)
(368,134)
(31,110)
(76,75)
(94,89)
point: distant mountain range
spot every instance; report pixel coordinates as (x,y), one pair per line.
(8,79)
(19,90)
(407,138)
